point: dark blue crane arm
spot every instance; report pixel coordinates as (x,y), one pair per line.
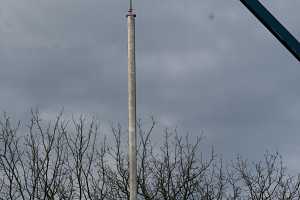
(274,26)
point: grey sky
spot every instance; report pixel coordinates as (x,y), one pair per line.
(228,76)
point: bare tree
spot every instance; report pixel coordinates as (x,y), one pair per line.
(10,161)
(266,179)
(70,159)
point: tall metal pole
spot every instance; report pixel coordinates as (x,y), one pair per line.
(132,104)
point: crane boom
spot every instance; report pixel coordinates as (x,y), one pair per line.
(274,26)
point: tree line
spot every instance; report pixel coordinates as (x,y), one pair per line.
(71,159)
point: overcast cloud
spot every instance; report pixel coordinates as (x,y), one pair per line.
(202,65)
